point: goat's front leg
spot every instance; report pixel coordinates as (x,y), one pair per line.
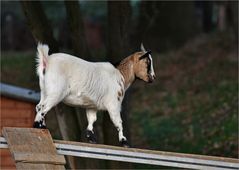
(91,117)
(116,119)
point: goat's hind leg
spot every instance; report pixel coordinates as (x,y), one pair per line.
(42,109)
(50,97)
(40,122)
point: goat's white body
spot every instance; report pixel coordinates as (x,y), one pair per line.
(81,83)
(76,82)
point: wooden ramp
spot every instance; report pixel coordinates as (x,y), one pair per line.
(33,149)
(37,147)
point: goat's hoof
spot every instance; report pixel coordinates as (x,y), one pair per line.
(90,136)
(124,143)
(39,125)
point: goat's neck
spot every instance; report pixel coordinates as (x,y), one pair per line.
(126,68)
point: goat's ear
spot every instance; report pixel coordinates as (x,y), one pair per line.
(145,55)
(142,47)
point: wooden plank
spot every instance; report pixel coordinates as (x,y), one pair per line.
(39,166)
(14,113)
(7,160)
(28,145)
(20,122)
(8,103)
(39,158)
(5,152)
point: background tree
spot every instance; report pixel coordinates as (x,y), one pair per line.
(76,25)
(163,25)
(146,16)
(119,14)
(80,47)
(207,15)
(39,24)
(42,31)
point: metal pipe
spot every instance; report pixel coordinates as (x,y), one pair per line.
(141,156)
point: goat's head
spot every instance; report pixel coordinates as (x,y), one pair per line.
(143,67)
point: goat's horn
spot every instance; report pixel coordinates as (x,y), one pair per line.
(142,47)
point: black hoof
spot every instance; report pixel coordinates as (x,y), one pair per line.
(90,136)
(39,125)
(124,143)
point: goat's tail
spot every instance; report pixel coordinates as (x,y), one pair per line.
(42,59)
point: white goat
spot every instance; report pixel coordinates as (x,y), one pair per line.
(94,86)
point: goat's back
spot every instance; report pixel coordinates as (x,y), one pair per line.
(83,83)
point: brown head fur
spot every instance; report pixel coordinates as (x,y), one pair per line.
(132,67)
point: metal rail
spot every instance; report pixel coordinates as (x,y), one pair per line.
(19,93)
(141,156)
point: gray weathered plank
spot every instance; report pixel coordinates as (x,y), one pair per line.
(28,145)
(39,166)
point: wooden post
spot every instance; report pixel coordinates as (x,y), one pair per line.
(33,149)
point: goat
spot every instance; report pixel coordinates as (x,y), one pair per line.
(91,85)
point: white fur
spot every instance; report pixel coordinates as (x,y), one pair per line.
(152,73)
(77,82)
(150,57)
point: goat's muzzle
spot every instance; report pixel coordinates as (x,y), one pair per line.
(151,78)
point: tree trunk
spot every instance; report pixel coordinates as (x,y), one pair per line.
(42,31)
(147,13)
(119,13)
(76,25)
(119,24)
(207,16)
(162,23)
(233,8)
(69,129)
(80,47)
(39,25)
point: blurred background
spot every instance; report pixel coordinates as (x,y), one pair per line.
(192,107)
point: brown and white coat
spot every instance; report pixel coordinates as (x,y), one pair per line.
(94,86)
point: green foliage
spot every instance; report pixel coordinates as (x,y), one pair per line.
(193,105)
(19,69)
